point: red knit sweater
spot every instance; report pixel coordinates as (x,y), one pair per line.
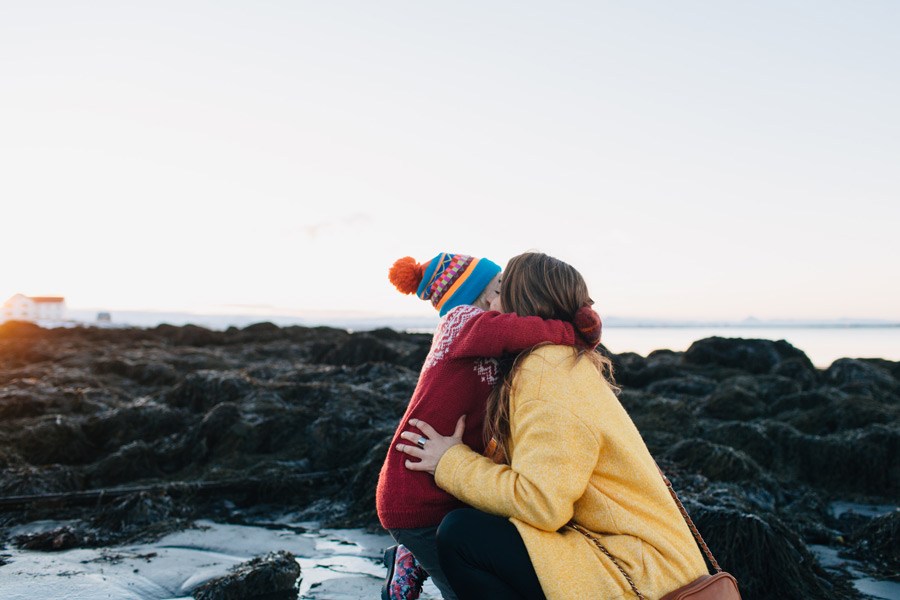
(456,379)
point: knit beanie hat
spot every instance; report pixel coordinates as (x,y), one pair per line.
(448,280)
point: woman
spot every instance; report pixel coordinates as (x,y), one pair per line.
(573,455)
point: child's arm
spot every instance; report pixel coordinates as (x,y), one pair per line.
(493,334)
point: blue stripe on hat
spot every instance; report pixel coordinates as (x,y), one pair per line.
(472,287)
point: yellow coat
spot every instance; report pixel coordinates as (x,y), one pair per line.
(575,452)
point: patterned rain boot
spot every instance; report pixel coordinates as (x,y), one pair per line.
(405,575)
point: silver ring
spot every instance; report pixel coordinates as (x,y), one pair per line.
(421,442)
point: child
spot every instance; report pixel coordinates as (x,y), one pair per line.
(456,379)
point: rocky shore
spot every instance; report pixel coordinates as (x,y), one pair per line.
(128,435)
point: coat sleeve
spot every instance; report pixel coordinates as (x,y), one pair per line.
(492,334)
(554,456)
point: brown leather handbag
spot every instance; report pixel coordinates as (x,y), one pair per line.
(719,586)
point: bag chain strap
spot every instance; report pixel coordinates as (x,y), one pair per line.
(693,527)
(684,514)
(597,543)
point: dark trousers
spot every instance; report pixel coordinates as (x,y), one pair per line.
(483,556)
(422,542)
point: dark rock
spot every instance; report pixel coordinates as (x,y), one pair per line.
(829,411)
(717,462)
(61,538)
(753,356)
(141,516)
(891,366)
(361,489)
(857,374)
(201,391)
(880,538)
(144,420)
(693,386)
(386,333)
(650,373)
(19,404)
(55,440)
(190,335)
(19,330)
(661,421)
(272,576)
(18,478)
(132,462)
(261,332)
(627,362)
(359,349)
(749,427)
(799,369)
(768,559)
(769,388)
(858,462)
(732,401)
(801,401)
(869,460)
(749,438)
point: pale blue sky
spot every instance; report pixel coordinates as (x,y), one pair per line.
(693,159)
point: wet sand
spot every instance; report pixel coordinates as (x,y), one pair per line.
(336,564)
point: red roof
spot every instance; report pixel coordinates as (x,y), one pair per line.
(40,299)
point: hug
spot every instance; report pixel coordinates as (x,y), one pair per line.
(515,471)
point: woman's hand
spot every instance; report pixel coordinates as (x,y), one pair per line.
(430,445)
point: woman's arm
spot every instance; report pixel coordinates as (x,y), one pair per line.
(554,455)
(554,458)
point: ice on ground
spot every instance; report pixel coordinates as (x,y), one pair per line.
(336,564)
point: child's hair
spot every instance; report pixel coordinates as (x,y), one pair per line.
(535,284)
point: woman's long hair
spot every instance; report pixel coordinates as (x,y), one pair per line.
(534,284)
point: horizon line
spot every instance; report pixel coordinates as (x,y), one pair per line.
(609,320)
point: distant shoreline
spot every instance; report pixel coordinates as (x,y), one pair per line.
(360,321)
(761,326)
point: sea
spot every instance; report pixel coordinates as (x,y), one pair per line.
(823,344)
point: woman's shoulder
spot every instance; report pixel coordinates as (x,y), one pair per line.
(560,364)
(552,357)
(551,354)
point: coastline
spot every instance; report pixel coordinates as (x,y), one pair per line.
(273,429)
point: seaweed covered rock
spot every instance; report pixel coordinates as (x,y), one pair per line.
(880,539)
(272,576)
(686,387)
(750,438)
(799,369)
(55,440)
(753,356)
(829,410)
(357,350)
(360,491)
(54,540)
(141,515)
(662,421)
(732,401)
(202,390)
(190,335)
(714,461)
(862,377)
(767,557)
(299,419)
(634,371)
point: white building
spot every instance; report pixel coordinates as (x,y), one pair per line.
(33,308)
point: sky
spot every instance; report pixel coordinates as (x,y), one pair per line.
(693,159)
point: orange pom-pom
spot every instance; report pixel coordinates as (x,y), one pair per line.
(406,274)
